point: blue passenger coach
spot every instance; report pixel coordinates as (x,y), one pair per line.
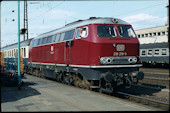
(11,54)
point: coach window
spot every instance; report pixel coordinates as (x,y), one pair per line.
(58,37)
(32,43)
(16,52)
(138,36)
(53,39)
(44,41)
(142,35)
(35,43)
(156,52)
(69,35)
(143,52)
(159,33)
(163,33)
(49,39)
(39,41)
(24,52)
(149,52)
(12,53)
(62,37)
(163,51)
(78,34)
(9,53)
(154,34)
(166,32)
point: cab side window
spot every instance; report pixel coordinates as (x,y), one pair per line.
(82,32)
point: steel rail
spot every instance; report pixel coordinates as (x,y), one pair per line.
(154,78)
(158,103)
(156,73)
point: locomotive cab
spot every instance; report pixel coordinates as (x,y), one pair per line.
(115,54)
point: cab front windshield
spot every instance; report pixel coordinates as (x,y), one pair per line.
(106,31)
(126,31)
(110,31)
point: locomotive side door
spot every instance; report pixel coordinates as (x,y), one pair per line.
(69,35)
(67,52)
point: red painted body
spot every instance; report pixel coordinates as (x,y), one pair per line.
(84,51)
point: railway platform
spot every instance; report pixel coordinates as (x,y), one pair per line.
(39,94)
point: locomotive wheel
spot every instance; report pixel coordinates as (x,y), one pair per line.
(86,84)
(37,72)
(33,72)
(66,79)
(40,74)
(106,87)
(80,83)
(83,84)
(102,83)
(76,81)
(71,80)
(60,77)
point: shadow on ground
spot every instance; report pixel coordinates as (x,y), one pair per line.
(12,93)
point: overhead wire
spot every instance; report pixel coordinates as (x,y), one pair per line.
(132,11)
(46,11)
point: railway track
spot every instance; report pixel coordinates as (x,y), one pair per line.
(153,101)
(146,101)
(143,95)
(155,77)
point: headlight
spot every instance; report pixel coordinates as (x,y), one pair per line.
(105,60)
(130,60)
(109,61)
(134,60)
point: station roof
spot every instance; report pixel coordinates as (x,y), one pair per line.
(152,29)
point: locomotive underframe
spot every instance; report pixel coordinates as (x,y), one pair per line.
(87,77)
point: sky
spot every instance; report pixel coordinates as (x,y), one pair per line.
(44,16)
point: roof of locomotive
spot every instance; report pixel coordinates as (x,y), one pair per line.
(91,20)
(15,45)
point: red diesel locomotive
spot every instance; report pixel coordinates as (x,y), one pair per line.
(94,53)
